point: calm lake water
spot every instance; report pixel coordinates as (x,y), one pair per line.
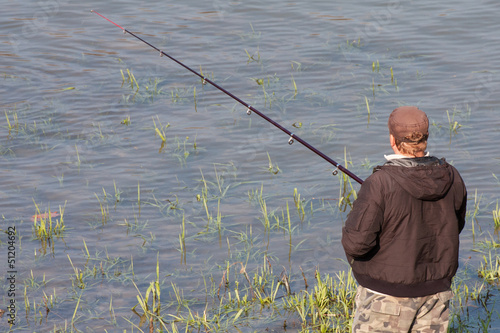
(79,133)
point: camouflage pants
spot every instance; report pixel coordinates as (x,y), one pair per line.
(383,313)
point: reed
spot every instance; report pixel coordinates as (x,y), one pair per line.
(367,108)
(126,121)
(489,244)
(453,125)
(139,196)
(255,57)
(182,240)
(296,66)
(78,279)
(14,124)
(49,224)
(104,207)
(160,130)
(194,99)
(117,193)
(150,303)
(490,269)
(496,217)
(299,204)
(328,307)
(477,200)
(347,193)
(130,78)
(265,214)
(295,90)
(273,167)
(79,162)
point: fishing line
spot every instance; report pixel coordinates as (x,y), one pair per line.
(250,109)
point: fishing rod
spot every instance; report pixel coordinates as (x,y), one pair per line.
(250,108)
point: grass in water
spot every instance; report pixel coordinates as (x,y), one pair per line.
(150,303)
(496,217)
(47,226)
(490,269)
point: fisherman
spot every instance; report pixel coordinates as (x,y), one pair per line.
(401,237)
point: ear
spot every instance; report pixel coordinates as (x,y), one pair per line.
(392,140)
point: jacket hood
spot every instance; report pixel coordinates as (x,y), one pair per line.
(425,178)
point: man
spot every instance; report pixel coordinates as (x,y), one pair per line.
(402,236)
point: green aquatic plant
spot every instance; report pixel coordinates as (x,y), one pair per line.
(160,130)
(295,90)
(453,125)
(496,217)
(490,268)
(491,243)
(367,108)
(126,121)
(118,193)
(15,124)
(299,204)
(265,213)
(255,57)
(140,93)
(469,298)
(273,167)
(328,307)
(47,226)
(473,215)
(182,240)
(104,206)
(150,303)
(78,279)
(347,193)
(252,35)
(129,79)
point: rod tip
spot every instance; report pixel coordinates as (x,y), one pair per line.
(91,10)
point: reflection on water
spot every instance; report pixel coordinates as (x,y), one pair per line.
(147,161)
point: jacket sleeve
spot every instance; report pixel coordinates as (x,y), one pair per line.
(461,212)
(363,224)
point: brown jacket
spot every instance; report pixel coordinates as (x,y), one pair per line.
(402,235)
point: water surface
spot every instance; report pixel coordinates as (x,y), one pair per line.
(61,72)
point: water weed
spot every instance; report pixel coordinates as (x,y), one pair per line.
(490,244)
(490,268)
(299,204)
(367,108)
(253,57)
(47,226)
(496,217)
(104,206)
(144,92)
(150,303)
(160,130)
(453,125)
(347,193)
(470,307)
(329,306)
(252,35)
(473,215)
(295,90)
(15,121)
(126,121)
(273,167)
(182,240)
